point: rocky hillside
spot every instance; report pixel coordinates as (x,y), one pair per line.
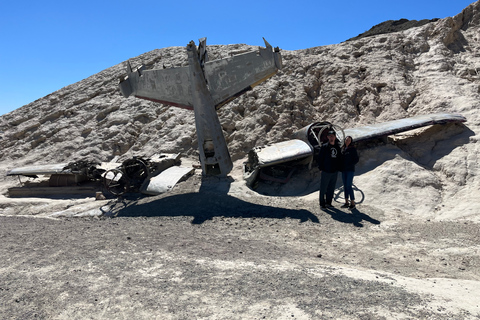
(431,68)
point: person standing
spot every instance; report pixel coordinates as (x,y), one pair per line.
(349,160)
(329,163)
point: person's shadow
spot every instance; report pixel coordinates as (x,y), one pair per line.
(212,200)
(355,217)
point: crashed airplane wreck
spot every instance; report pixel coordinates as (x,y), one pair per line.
(203,86)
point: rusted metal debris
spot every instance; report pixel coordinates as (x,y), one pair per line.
(85,177)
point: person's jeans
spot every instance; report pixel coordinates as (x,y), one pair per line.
(347,177)
(327,187)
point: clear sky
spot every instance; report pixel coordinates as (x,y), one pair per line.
(47,45)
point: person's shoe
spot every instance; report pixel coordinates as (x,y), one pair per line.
(345,205)
(328,205)
(323,208)
(352,205)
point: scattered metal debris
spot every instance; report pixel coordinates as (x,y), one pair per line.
(137,174)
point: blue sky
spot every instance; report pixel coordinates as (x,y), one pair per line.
(47,45)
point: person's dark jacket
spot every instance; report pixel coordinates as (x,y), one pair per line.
(350,158)
(330,158)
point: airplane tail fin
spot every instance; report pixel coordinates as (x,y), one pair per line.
(227,78)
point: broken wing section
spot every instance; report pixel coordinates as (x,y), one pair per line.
(274,154)
(396,126)
(310,138)
(47,169)
(166,180)
(228,78)
(167,86)
(282,152)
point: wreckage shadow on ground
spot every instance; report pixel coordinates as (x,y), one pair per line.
(205,205)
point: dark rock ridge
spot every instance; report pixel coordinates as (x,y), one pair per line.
(392,26)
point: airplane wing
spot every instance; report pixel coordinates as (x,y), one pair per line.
(47,169)
(274,154)
(282,152)
(396,126)
(310,137)
(226,78)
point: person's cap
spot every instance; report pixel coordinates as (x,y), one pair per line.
(331,132)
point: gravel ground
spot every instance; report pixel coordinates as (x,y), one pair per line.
(202,253)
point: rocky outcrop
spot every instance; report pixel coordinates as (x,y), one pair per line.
(391,26)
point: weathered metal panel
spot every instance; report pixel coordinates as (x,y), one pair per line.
(170,86)
(46,169)
(166,180)
(282,152)
(401,125)
(228,77)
